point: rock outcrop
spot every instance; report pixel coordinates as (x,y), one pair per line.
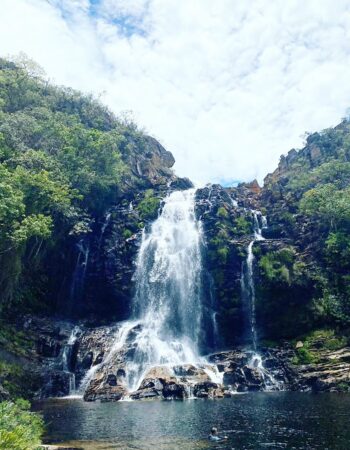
(223,374)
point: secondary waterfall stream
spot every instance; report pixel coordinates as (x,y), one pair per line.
(67,358)
(249,296)
(247,279)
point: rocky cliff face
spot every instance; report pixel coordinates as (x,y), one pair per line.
(92,273)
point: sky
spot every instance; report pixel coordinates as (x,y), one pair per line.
(227,85)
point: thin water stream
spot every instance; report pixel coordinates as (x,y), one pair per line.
(249,297)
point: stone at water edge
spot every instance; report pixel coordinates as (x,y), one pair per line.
(208,389)
(105,388)
(159,382)
(175,390)
(191,373)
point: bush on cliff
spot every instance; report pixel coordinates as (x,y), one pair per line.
(148,206)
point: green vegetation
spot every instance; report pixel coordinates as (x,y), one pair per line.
(148,207)
(63,160)
(19,428)
(222,213)
(222,253)
(127,233)
(304,356)
(284,282)
(17,381)
(281,267)
(223,259)
(242,226)
(14,341)
(310,204)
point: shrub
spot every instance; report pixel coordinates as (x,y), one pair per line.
(20,429)
(222,213)
(242,226)
(222,253)
(127,233)
(148,207)
(304,356)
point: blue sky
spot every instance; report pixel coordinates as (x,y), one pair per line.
(227,86)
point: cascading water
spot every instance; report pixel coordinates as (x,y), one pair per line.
(168,289)
(104,226)
(247,280)
(248,295)
(67,358)
(165,328)
(79,274)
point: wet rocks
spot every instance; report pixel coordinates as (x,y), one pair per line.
(175,390)
(235,368)
(245,371)
(145,394)
(208,389)
(189,372)
(56,383)
(104,387)
(177,383)
(105,393)
(157,382)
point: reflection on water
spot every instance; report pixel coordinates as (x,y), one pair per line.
(277,420)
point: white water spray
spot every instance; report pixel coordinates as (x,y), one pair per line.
(168,289)
(67,358)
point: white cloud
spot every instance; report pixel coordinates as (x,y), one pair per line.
(227,86)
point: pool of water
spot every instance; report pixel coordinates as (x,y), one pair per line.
(275,420)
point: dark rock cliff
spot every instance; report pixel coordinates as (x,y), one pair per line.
(92,272)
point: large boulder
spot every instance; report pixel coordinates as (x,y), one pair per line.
(206,389)
(175,390)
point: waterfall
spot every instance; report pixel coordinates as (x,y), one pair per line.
(67,356)
(79,274)
(247,278)
(165,327)
(119,341)
(248,295)
(104,226)
(167,302)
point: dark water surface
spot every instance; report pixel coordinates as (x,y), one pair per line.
(275,420)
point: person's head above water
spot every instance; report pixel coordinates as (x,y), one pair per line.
(214,430)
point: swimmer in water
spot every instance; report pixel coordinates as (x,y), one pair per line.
(214,436)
